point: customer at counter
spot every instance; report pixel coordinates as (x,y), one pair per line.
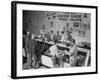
(31,51)
(27,40)
(53,52)
(25,45)
(24,50)
(28,51)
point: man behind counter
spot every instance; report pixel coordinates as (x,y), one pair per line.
(58,36)
(55,36)
(52,35)
(63,37)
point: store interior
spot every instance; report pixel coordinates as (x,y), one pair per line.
(74,51)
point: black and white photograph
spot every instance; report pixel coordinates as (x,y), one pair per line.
(53,39)
(56,39)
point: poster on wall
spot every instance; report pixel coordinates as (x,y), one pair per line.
(53,39)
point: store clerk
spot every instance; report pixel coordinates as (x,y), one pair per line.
(52,36)
(62,37)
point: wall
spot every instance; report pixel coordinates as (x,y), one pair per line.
(34,21)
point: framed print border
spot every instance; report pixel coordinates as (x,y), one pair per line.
(14,38)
